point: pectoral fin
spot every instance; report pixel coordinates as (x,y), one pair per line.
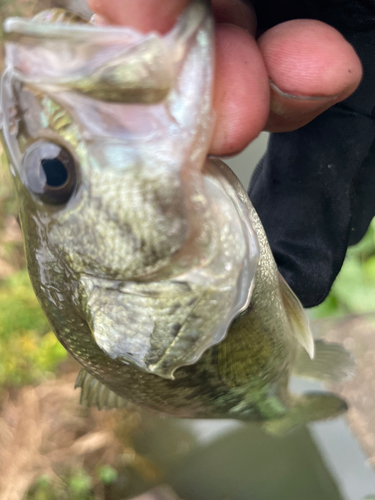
(94,393)
(297,317)
(331,363)
(307,408)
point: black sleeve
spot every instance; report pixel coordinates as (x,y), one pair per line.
(314,189)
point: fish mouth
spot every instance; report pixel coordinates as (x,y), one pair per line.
(163,325)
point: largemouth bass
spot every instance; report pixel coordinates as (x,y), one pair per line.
(147,257)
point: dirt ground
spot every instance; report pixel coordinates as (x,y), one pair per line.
(357,334)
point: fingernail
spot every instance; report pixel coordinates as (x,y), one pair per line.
(289,111)
(301,97)
(313,99)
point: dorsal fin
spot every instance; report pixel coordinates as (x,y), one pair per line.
(94,393)
(297,317)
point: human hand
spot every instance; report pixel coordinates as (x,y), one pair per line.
(305,59)
(281,81)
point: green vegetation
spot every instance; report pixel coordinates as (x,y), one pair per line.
(28,349)
(77,485)
(354,289)
(107,474)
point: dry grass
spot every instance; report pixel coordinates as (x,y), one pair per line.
(43,430)
(357,334)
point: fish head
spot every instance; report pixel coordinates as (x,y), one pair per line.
(121,121)
(107,132)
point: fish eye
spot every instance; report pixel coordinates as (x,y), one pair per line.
(50,172)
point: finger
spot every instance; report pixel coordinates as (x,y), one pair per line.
(241,97)
(143,15)
(146,15)
(311,67)
(235,12)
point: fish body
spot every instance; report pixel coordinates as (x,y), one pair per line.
(147,257)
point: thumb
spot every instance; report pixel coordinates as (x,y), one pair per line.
(311,67)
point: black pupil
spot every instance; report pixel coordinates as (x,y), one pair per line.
(50,172)
(55,172)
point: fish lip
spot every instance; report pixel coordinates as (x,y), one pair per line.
(105,53)
(26,27)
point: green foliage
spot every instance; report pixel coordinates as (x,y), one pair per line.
(74,486)
(107,474)
(80,485)
(42,490)
(354,289)
(28,349)
(77,485)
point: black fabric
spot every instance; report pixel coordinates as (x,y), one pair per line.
(346,15)
(314,189)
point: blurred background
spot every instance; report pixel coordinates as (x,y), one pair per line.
(53,448)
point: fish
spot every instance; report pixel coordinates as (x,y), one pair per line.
(146,254)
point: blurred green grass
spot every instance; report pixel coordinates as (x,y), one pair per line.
(353,292)
(29,351)
(75,485)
